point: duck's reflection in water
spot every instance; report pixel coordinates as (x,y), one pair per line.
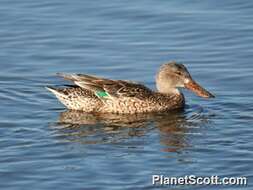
(173,128)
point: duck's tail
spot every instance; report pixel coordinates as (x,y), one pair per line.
(60,94)
(56,91)
(76,98)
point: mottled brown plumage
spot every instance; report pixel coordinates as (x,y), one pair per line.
(95,94)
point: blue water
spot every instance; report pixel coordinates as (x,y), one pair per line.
(44,146)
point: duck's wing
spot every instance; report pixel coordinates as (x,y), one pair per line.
(106,88)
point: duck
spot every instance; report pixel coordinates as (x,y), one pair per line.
(91,93)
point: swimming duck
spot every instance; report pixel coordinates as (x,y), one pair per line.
(96,94)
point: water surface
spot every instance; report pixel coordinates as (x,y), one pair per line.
(44,146)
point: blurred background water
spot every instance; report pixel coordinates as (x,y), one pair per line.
(43,146)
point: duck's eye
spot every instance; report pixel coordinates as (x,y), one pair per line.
(178,72)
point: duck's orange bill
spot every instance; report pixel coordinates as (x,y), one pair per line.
(197,89)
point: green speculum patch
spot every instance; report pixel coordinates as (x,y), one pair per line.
(101,94)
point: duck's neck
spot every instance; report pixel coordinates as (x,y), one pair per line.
(167,89)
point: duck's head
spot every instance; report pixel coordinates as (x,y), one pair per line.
(174,75)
